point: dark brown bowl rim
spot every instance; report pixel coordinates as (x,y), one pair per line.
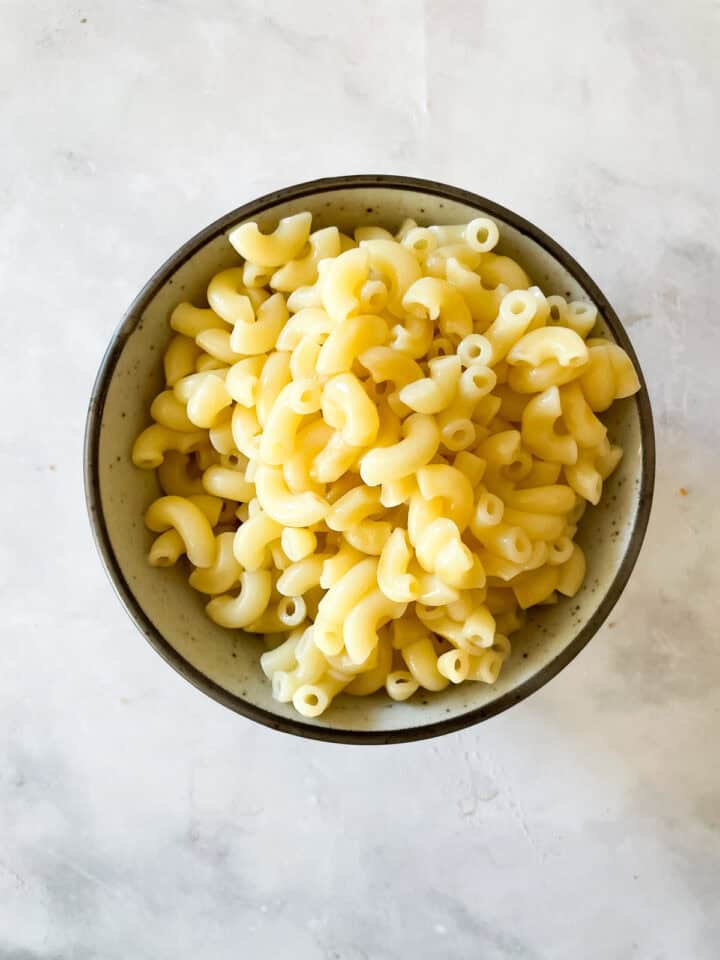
(92,480)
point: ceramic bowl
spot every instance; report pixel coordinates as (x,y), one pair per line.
(224,664)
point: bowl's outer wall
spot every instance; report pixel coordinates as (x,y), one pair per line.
(225,664)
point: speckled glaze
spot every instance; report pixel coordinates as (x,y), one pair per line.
(224,664)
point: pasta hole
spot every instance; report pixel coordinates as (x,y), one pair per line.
(517,307)
(311,699)
(555,311)
(474,351)
(482,235)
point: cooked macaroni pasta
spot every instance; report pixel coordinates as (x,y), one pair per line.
(376,451)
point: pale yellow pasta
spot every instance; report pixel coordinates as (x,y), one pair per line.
(303,271)
(225,571)
(396,265)
(393,577)
(347,407)
(400,685)
(435,392)
(190,320)
(423,663)
(376,451)
(207,400)
(439,300)
(421,438)
(348,340)
(539,432)
(189,521)
(258,334)
(273,249)
(249,604)
(179,359)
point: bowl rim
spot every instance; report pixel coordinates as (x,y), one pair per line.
(92,478)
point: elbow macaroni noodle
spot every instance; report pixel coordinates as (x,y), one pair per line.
(377,451)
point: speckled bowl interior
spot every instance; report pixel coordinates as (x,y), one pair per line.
(224,663)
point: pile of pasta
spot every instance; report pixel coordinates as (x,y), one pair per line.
(375,451)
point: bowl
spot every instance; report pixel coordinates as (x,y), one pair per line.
(224,664)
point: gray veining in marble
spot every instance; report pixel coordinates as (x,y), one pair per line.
(138,818)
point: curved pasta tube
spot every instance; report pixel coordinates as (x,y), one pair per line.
(242,381)
(452,487)
(436,262)
(454,665)
(439,301)
(310,441)
(592,466)
(361,625)
(510,543)
(393,577)
(538,429)
(174,475)
(187,386)
(353,507)
(288,509)
(342,282)
(526,379)
(245,608)
(229,298)
(170,546)
(293,403)
(345,593)
(419,241)
(414,336)
(400,685)
(581,422)
(386,364)
(298,543)
(572,573)
(272,249)
(421,513)
(228,484)
(422,662)
(169,412)
(179,359)
(495,270)
(275,375)
(189,521)
(482,302)
(334,568)
(245,431)
(302,576)
(190,320)
(154,442)
(538,526)
(348,340)
(480,234)
(256,336)
(347,407)
(396,492)
(436,392)
(313,322)
(252,540)
(608,376)
(557,499)
(440,550)
(395,263)
(517,311)
(370,681)
(303,271)
(312,699)
(224,572)
(560,344)
(331,463)
(207,400)
(578,315)
(535,586)
(369,536)
(217,345)
(419,445)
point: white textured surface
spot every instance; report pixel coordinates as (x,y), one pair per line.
(138,818)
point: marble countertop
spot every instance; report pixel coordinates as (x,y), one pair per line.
(139,819)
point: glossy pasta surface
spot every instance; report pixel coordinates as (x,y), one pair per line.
(375,451)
